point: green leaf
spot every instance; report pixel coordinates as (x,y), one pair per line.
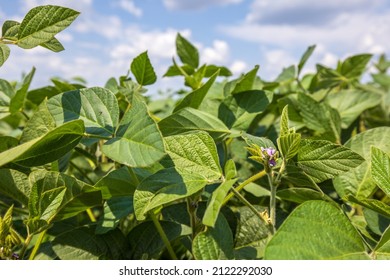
(10,30)
(223,71)
(245,83)
(305,57)
(15,185)
(300,195)
(42,23)
(195,98)
(319,117)
(354,66)
(215,243)
(358,181)
(230,170)
(258,141)
(252,233)
(324,160)
(373,204)
(189,119)
(54,45)
(163,187)
(96,107)
(299,178)
(18,99)
(146,243)
(195,153)
(380,169)
(316,230)
(83,244)
(376,222)
(143,70)
(138,141)
(382,249)
(4,53)
(36,96)
(284,121)
(351,104)
(47,187)
(187,52)
(174,70)
(39,124)
(114,210)
(7,142)
(46,148)
(215,202)
(6,93)
(117,183)
(289,145)
(239,110)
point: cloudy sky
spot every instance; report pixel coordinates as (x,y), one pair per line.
(236,33)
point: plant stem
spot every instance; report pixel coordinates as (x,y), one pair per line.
(191,209)
(90,215)
(86,135)
(272,202)
(25,245)
(163,235)
(243,184)
(247,203)
(37,245)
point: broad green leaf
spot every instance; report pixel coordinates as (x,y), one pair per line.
(305,57)
(42,23)
(138,141)
(174,70)
(287,76)
(195,98)
(195,153)
(96,107)
(6,93)
(163,187)
(284,121)
(382,249)
(188,119)
(316,230)
(375,221)
(187,52)
(239,110)
(319,117)
(299,178)
(258,141)
(10,29)
(351,103)
(78,196)
(14,184)
(245,83)
(252,233)
(46,148)
(18,99)
(380,169)
(4,53)
(54,45)
(143,70)
(215,202)
(358,181)
(289,145)
(146,243)
(223,71)
(83,244)
(39,124)
(373,204)
(324,160)
(300,195)
(214,243)
(36,96)
(354,66)
(117,183)
(230,170)
(7,142)
(114,210)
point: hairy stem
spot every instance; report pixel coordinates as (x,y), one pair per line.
(37,245)
(272,202)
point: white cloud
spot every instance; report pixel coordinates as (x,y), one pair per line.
(129,6)
(217,54)
(106,26)
(196,5)
(238,67)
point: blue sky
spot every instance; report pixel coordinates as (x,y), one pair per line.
(236,33)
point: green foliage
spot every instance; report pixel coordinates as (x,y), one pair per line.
(228,168)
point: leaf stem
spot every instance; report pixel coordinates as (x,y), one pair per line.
(272,202)
(25,245)
(86,135)
(243,184)
(191,209)
(37,245)
(90,215)
(163,235)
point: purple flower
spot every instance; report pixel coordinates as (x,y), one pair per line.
(270,151)
(272,162)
